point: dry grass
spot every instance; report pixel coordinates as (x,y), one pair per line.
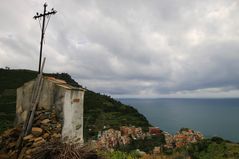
(65,151)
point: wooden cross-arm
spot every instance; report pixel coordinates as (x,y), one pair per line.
(41,15)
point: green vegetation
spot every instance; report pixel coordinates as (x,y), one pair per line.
(9,81)
(146,145)
(118,155)
(12,79)
(214,148)
(100,111)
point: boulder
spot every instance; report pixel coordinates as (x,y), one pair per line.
(38,139)
(38,143)
(28,137)
(45,121)
(36,131)
(46,135)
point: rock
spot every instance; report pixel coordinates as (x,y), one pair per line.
(47,113)
(31,151)
(56,135)
(28,152)
(42,117)
(28,157)
(45,128)
(46,135)
(11,132)
(11,145)
(38,143)
(54,121)
(36,131)
(157,150)
(38,139)
(58,125)
(45,121)
(28,137)
(140,153)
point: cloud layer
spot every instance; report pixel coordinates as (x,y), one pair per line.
(136,48)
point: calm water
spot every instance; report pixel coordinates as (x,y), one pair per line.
(210,116)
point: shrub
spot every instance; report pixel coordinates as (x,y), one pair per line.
(146,145)
(118,155)
(218,140)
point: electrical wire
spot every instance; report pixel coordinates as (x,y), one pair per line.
(49,17)
(39,20)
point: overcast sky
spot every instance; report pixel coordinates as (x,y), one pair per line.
(130,48)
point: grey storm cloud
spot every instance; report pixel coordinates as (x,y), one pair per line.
(137,48)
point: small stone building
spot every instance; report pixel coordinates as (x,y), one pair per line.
(66,100)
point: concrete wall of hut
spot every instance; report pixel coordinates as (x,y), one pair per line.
(73,116)
(23,101)
(24,95)
(68,104)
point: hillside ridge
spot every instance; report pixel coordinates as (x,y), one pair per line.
(100,111)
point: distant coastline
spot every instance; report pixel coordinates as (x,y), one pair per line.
(211,116)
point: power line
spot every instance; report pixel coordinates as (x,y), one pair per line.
(43,27)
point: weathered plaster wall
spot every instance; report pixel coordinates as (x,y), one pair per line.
(51,95)
(24,94)
(47,94)
(59,97)
(73,116)
(68,104)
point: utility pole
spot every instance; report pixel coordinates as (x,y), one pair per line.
(43,27)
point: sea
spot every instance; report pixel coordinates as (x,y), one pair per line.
(212,117)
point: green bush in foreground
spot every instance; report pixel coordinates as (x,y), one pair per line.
(118,155)
(214,148)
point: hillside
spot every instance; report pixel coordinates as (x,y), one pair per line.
(100,111)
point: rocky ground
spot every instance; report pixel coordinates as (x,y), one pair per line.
(46,128)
